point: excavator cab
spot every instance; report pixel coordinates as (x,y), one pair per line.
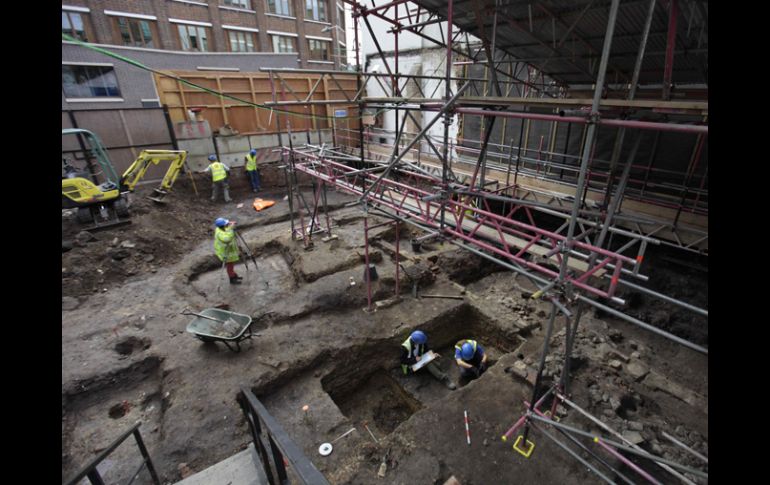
(90,184)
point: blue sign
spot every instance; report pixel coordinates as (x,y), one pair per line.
(340,113)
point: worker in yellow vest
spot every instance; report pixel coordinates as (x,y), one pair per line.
(219,172)
(412,350)
(226,247)
(471,358)
(251,170)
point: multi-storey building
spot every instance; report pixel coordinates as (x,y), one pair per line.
(314,29)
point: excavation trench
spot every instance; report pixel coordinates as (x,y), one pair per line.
(364,384)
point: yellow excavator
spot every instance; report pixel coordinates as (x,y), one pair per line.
(96,191)
(92,188)
(146,159)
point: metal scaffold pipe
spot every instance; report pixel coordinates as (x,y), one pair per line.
(646,326)
(623,447)
(601,424)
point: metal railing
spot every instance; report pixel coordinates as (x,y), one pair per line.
(283,450)
(95,477)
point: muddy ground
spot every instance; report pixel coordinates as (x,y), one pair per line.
(126,355)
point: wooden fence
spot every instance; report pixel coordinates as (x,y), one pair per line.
(259,89)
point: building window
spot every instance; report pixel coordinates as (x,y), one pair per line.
(75,25)
(316,10)
(135,32)
(319,50)
(193,38)
(241,41)
(237,3)
(341,17)
(89,81)
(283,43)
(279,7)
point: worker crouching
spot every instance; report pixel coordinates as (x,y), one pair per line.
(226,247)
(471,358)
(412,351)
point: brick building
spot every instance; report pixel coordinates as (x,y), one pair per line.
(313,29)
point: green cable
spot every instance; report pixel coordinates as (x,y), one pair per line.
(138,64)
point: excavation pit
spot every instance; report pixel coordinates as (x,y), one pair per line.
(374,388)
(379,401)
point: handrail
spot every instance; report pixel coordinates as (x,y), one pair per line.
(281,446)
(92,473)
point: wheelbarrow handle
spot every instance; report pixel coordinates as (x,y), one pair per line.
(187,312)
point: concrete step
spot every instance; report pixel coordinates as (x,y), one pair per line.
(243,468)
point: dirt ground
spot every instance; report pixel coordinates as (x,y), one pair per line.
(126,355)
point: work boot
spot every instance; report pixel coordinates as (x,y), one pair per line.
(235,281)
(239,278)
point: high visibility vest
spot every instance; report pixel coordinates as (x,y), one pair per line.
(251,162)
(468,212)
(224,245)
(217,171)
(408,346)
(459,345)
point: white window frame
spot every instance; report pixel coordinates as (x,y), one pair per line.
(243,29)
(115,13)
(69,8)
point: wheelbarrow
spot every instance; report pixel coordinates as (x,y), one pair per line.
(215,325)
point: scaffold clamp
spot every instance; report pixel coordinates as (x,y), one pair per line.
(527,452)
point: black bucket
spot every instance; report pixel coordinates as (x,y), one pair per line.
(416,245)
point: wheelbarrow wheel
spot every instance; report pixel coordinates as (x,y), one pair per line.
(203,338)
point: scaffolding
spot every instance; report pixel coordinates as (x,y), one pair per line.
(488,198)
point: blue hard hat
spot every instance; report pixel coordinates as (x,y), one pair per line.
(221,222)
(253,152)
(467,351)
(212,158)
(419,337)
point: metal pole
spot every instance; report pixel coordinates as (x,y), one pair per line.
(539,377)
(398,224)
(170,127)
(663,297)
(414,141)
(618,435)
(685,447)
(574,455)
(615,203)
(590,135)
(627,462)
(447,114)
(583,447)
(628,449)
(668,70)
(82,144)
(366,272)
(647,326)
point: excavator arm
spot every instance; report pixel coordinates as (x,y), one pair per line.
(138,169)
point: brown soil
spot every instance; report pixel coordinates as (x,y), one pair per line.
(127,357)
